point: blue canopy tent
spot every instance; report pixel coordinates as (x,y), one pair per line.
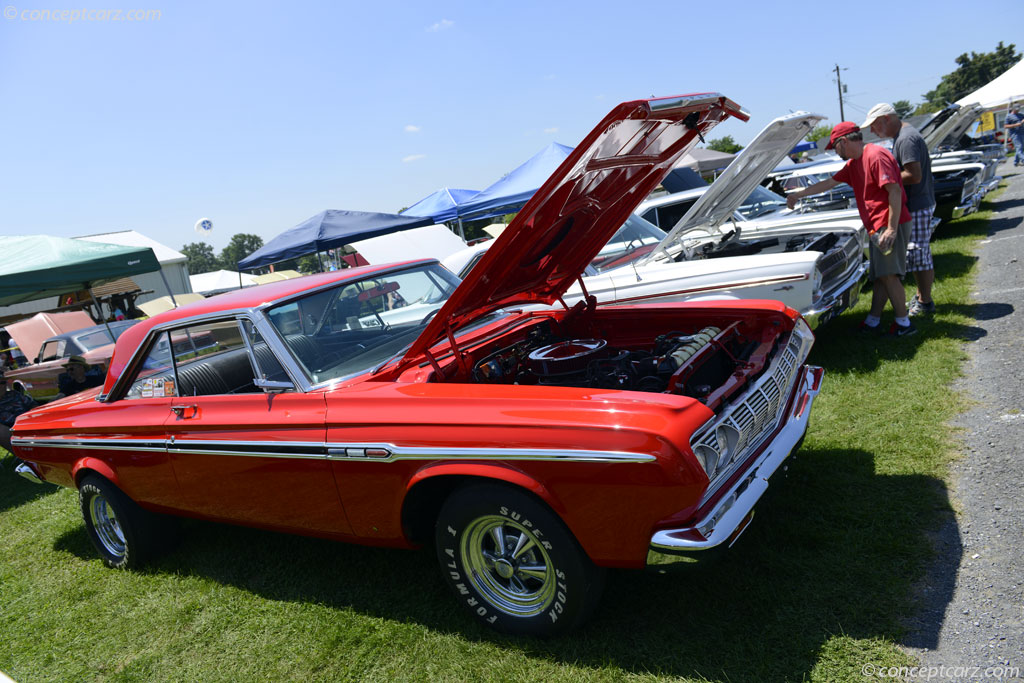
(328,230)
(805,146)
(440,205)
(509,194)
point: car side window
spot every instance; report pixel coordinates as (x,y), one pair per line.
(52,350)
(267,365)
(206,359)
(155,377)
(211,358)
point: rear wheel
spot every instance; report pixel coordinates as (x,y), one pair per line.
(513,563)
(124,534)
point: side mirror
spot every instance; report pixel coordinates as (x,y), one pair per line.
(272,386)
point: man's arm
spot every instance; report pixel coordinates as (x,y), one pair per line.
(887,237)
(910,174)
(817,188)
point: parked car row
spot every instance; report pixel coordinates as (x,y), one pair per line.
(535,439)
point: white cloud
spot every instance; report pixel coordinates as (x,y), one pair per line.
(412,129)
(440,26)
(413,157)
(550,131)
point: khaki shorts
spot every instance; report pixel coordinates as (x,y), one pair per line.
(896,262)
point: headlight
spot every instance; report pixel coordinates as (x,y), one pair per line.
(817,280)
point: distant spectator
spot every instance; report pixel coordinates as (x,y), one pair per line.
(875,177)
(1015,127)
(911,153)
(12,404)
(77,376)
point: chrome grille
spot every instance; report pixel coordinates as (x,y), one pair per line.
(839,262)
(757,413)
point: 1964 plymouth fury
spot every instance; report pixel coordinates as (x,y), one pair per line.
(532,446)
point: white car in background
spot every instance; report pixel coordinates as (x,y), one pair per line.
(816,270)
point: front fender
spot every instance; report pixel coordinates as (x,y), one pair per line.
(489,471)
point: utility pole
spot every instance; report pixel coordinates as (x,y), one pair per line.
(839,83)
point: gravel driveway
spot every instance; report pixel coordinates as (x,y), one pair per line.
(973,614)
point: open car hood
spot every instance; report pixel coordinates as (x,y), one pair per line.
(968,114)
(577,210)
(738,180)
(945,122)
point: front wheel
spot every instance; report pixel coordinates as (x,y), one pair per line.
(513,563)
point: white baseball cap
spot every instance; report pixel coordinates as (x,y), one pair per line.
(878,111)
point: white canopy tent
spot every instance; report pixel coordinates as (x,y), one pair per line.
(219,281)
(1001,91)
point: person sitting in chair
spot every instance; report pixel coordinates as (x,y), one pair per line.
(77,376)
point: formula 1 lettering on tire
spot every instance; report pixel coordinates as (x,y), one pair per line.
(513,563)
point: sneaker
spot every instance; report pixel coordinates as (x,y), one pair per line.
(917,307)
(869,329)
(898,330)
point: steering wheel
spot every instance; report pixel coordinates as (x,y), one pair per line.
(427,318)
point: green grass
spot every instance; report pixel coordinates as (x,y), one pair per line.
(820,585)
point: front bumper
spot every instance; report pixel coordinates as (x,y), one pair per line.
(843,298)
(727,519)
(968,206)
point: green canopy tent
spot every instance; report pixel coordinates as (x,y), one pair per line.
(37,266)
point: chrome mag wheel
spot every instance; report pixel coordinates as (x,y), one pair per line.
(107,527)
(508,566)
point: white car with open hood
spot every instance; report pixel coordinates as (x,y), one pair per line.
(814,268)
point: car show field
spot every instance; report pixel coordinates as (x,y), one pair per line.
(828,584)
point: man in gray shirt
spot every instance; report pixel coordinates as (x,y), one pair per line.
(915,164)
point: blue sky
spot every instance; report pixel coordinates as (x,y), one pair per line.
(259,115)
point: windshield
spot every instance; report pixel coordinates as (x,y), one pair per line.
(634,239)
(351,328)
(98,336)
(761,202)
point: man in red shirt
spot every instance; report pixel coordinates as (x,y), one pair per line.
(873,174)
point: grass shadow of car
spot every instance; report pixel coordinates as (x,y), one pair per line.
(15,490)
(835,548)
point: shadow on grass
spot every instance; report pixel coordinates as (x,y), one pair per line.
(834,549)
(15,490)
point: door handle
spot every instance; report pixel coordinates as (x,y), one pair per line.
(180,411)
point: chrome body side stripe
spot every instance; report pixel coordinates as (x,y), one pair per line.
(378,452)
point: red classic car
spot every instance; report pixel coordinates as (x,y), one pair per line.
(534,446)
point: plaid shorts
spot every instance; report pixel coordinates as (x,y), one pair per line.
(919,251)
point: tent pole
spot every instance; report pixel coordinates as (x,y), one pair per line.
(169,292)
(462,234)
(100,311)
(239,279)
(320,261)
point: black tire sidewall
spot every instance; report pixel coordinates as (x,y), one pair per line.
(129,517)
(576,577)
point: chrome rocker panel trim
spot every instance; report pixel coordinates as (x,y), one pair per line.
(728,518)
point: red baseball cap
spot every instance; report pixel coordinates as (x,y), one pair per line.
(842,128)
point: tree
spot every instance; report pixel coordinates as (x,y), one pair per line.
(974,71)
(903,108)
(201,258)
(241,245)
(818,132)
(726,144)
